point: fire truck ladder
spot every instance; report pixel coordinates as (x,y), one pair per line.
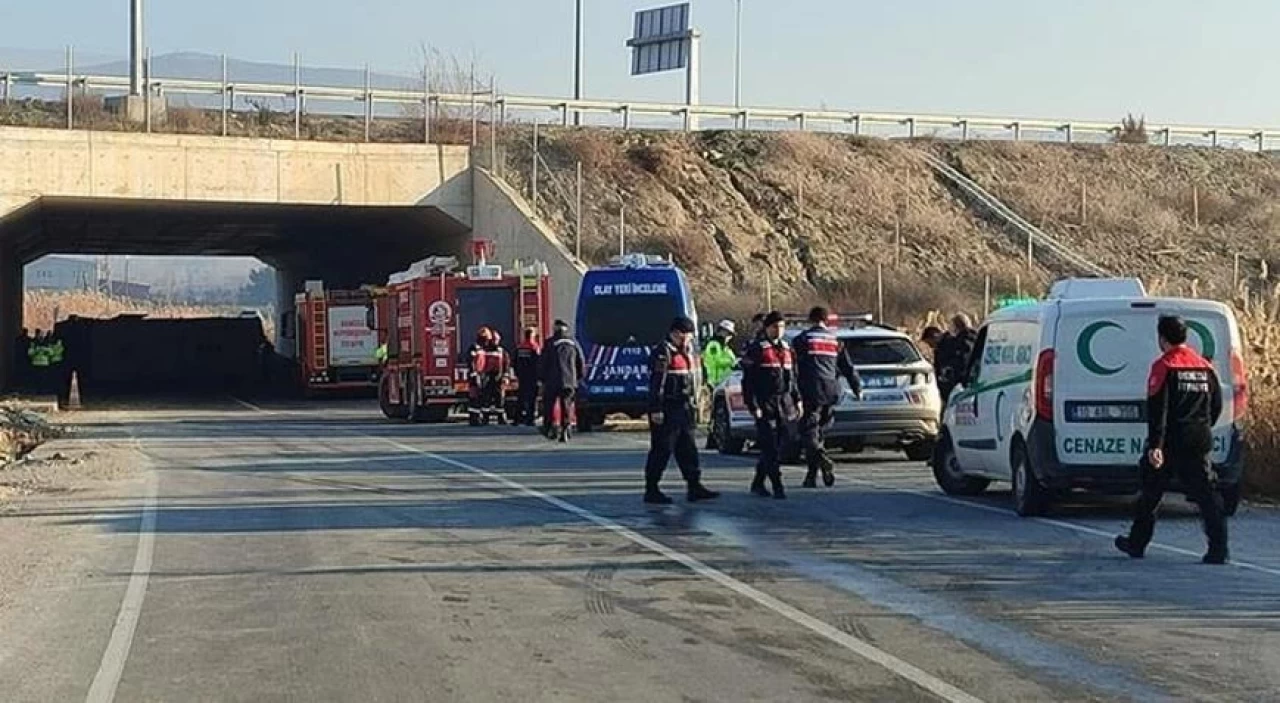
(319,332)
(530,298)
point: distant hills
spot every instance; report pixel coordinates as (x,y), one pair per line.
(200,66)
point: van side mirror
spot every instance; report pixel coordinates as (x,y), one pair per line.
(370,317)
(287,325)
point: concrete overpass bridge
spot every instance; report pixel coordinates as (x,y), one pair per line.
(344,213)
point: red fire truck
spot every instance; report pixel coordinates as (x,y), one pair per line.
(336,337)
(434,313)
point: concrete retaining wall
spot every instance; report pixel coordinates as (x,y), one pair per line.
(502,215)
(49,162)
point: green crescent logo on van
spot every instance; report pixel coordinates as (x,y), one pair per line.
(1207,346)
(1084,349)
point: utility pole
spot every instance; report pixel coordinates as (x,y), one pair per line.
(136,50)
(577,60)
(737,60)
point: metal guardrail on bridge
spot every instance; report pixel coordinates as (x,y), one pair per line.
(626,112)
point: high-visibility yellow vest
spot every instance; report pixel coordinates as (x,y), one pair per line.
(39,355)
(56,350)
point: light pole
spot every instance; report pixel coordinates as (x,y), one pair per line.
(737,60)
(136,51)
(577,60)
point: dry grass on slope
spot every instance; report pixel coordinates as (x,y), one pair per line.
(819,210)
(1133,208)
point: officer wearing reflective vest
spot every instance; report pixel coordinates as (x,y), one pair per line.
(820,363)
(771,394)
(672,392)
(1184,402)
(526,364)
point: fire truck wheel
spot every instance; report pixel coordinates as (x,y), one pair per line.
(396,411)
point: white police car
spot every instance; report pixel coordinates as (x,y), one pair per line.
(899,408)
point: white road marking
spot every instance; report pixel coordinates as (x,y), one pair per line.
(911,673)
(103,688)
(1063,524)
(250,406)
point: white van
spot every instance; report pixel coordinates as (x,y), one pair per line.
(1054,397)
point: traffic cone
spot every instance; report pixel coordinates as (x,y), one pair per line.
(73,396)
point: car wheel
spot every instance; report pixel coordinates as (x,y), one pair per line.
(1030,497)
(920,451)
(726,443)
(1230,493)
(950,476)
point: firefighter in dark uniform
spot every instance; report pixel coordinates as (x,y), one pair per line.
(771,394)
(820,363)
(562,367)
(526,366)
(1184,401)
(672,420)
(485,369)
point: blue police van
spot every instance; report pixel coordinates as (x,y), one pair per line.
(624,310)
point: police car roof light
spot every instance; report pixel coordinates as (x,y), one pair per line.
(638,261)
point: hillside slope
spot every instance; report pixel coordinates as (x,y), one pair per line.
(820,210)
(1180,214)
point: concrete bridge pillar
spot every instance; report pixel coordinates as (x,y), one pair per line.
(10,314)
(288,285)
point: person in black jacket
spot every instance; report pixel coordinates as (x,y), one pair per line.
(951,357)
(562,369)
(821,361)
(672,392)
(526,368)
(771,394)
(1184,402)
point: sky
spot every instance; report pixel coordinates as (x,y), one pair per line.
(1178,61)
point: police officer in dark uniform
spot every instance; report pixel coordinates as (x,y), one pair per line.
(672,391)
(770,392)
(562,367)
(1184,401)
(820,363)
(526,367)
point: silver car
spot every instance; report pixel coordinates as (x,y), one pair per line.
(899,409)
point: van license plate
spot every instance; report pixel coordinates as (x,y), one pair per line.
(1105,412)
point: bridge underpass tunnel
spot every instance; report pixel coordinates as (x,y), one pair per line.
(342,245)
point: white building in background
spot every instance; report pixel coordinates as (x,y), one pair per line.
(60,273)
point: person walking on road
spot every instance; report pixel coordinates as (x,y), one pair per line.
(770,392)
(1184,401)
(526,366)
(672,419)
(821,361)
(563,366)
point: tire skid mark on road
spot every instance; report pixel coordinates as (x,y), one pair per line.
(897,666)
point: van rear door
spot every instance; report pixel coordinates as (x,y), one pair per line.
(1104,351)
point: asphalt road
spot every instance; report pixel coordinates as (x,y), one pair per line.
(318,552)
